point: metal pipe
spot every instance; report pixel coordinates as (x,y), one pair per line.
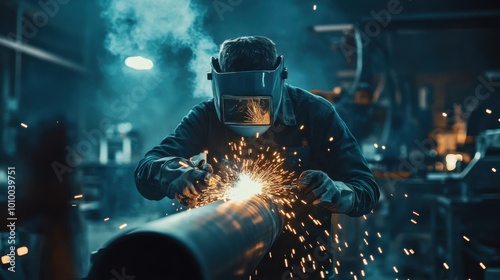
(217,241)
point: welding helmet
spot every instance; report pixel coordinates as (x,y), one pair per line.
(247,102)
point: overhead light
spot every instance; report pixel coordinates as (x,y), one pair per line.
(139,63)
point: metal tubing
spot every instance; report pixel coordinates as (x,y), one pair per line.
(217,241)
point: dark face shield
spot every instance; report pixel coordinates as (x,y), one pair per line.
(248,102)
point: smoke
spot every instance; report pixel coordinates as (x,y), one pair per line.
(148,27)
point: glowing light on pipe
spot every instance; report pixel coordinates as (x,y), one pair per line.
(244,188)
(139,63)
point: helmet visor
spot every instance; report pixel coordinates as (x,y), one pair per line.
(246,110)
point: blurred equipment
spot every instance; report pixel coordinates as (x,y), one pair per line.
(217,241)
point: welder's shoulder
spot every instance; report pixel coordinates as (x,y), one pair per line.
(203,109)
(305,100)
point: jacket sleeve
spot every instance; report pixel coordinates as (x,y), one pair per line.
(340,157)
(159,167)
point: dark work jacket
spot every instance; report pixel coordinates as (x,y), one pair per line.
(312,131)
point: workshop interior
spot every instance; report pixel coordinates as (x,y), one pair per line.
(88,87)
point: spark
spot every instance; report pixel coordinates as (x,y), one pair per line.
(255,114)
(330,139)
(375,145)
(488,111)
(301,127)
(78,196)
(366,233)
(494,169)
(380,250)
(241,179)
(482,265)
(415,213)
(446,265)
(365,262)
(406,195)
(406,251)
(444,114)
(122,226)
(245,188)
(24,125)
(383,147)
(106,219)
(5,259)
(412,252)
(466,238)
(395,269)
(413,221)
(22,251)
(379,235)
(315,7)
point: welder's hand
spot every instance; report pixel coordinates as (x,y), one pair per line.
(190,179)
(316,187)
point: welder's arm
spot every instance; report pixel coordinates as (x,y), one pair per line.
(318,189)
(165,170)
(345,184)
(174,177)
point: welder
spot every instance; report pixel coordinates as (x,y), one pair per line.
(248,77)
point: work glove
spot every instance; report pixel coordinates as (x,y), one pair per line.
(317,188)
(188,179)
